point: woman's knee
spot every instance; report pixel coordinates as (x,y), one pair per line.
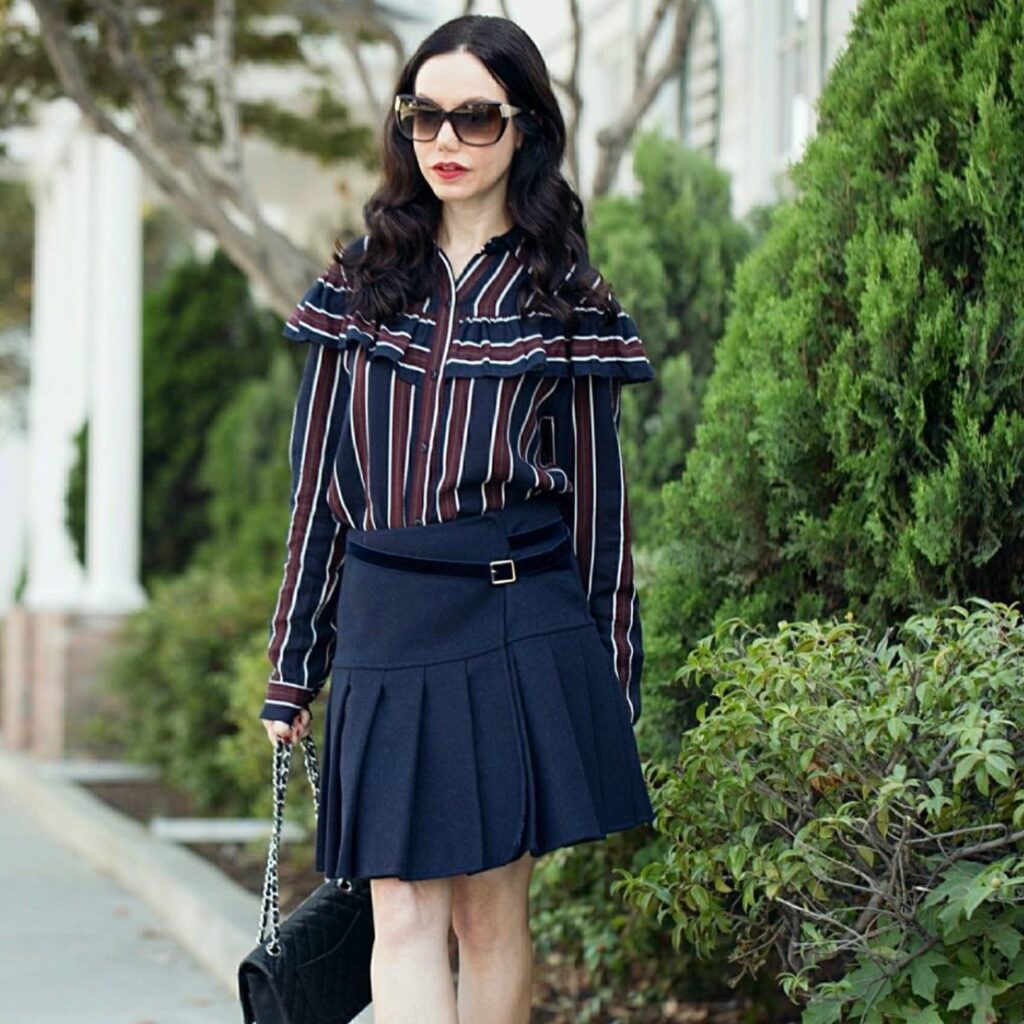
(491,907)
(406,911)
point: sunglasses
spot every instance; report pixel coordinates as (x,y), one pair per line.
(480,123)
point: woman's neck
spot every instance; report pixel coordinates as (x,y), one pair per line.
(466,235)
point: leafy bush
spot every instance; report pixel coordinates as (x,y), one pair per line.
(245,755)
(17,226)
(861,440)
(627,958)
(854,804)
(670,252)
(197,652)
(174,676)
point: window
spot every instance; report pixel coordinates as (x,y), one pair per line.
(794,109)
(700,82)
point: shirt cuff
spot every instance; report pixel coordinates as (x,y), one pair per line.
(277,712)
(284,701)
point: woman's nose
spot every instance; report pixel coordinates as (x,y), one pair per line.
(447,135)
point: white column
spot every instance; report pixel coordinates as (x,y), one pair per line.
(55,397)
(115,397)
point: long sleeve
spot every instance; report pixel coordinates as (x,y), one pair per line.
(302,627)
(586,421)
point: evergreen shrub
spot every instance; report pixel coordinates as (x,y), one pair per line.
(671,253)
(203,340)
(861,445)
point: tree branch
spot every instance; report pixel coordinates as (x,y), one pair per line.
(613,140)
(571,87)
(353,21)
(227,104)
(232,157)
(167,153)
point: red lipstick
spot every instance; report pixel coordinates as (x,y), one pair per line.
(448,169)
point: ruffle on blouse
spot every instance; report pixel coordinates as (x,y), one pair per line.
(405,340)
(481,346)
(508,346)
(321,315)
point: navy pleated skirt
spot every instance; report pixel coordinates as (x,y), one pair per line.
(469,721)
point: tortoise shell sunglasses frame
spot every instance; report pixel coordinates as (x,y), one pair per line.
(471,122)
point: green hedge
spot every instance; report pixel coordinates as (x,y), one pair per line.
(177,675)
(862,438)
(671,253)
(246,474)
(203,341)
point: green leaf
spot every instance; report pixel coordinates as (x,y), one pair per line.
(1006,939)
(1000,767)
(868,980)
(967,760)
(977,892)
(882,820)
(979,994)
(822,1011)
(1016,975)
(922,977)
(955,881)
(867,853)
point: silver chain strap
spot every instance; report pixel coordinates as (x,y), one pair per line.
(271,891)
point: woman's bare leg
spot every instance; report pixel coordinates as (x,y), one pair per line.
(410,975)
(491,918)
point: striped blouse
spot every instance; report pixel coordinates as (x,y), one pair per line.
(453,408)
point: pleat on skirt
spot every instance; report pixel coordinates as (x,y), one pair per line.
(466,721)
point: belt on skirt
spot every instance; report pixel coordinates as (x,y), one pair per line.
(498,570)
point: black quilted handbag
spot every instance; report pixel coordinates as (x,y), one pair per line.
(315,967)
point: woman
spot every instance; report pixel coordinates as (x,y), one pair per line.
(458,558)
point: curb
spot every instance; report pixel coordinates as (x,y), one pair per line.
(208,913)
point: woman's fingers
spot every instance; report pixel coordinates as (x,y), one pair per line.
(301,723)
(277,730)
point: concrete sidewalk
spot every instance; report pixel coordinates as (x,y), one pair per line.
(76,947)
(106,922)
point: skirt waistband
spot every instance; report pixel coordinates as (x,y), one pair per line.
(523,529)
(499,570)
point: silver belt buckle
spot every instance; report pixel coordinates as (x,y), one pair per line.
(503,561)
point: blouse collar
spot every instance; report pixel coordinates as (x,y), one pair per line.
(506,240)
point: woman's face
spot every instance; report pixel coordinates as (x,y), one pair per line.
(451,79)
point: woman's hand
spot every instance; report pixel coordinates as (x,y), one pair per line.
(291,733)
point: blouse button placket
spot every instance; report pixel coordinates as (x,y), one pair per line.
(432,391)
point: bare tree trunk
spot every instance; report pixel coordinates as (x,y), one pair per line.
(469,5)
(570,85)
(614,140)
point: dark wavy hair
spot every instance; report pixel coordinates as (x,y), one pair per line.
(402,216)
